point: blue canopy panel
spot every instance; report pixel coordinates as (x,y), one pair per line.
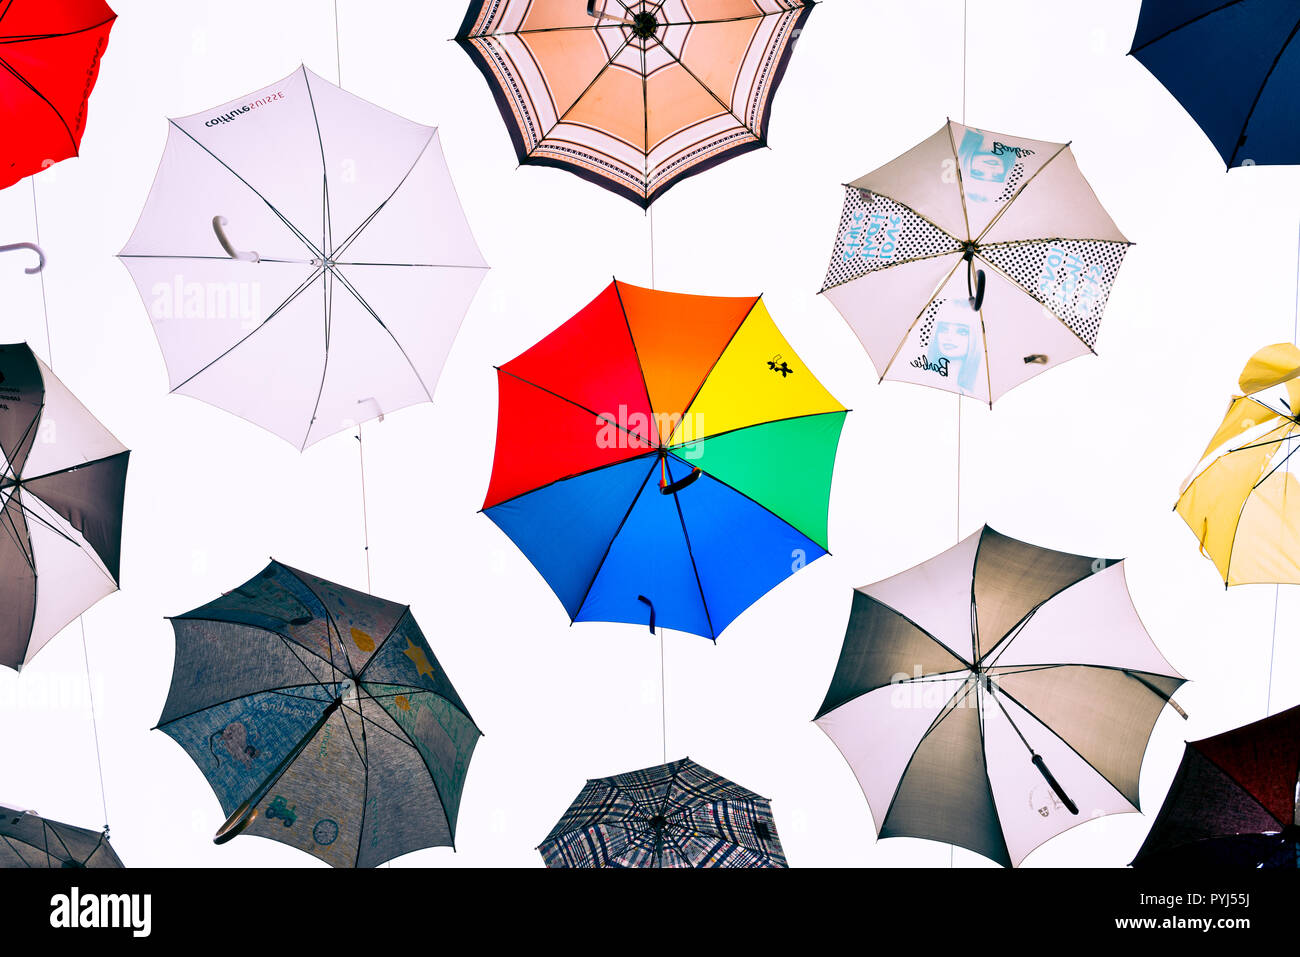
(1235,67)
(702,556)
(565,528)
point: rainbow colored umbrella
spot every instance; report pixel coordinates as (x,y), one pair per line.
(664,458)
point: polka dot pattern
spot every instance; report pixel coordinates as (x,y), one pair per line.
(876,233)
(1071,277)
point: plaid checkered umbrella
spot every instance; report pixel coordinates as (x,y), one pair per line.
(29,840)
(673,815)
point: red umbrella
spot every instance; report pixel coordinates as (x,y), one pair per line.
(49,60)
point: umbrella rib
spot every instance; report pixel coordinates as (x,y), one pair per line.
(348,240)
(415,265)
(10,463)
(997,269)
(1275,468)
(721,352)
(755,501)
(956,165)
(412,690)
(41,96)
(1175,29)
(10,841)
(51,36)
(650,444)
(933,295)
(691,73)
(742,428)
(704,602)
(451,828)
(327,227)
(329,621)
(302,287)
(327,297)
(565,478)
(365,305)
(161,725)
(565,114)
(1011,697)
(380,646)
(901,262)
(32,513)
(1020,192)
(72,468)
(613,538)
(11,529)
(292,228)
(1241,138)
(611,26)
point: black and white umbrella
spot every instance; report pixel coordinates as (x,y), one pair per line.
(62,485)
(996,695)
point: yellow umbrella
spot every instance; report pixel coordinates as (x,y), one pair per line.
(1241,500)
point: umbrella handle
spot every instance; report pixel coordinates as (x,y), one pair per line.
(975,291)
(40,254)
(1052,783)
(680,483)
(602,14)
(218,226)
(246,813)
(652,611)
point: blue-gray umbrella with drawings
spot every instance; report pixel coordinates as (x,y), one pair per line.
(321,718)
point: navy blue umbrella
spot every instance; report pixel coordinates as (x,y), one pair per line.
(1235,67)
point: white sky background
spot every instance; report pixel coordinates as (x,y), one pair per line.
(1087,457)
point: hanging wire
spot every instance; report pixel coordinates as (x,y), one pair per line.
(94,724)
(338,57)
(81,621)
(45,309)
(952,850)
(1277,589)
(365,518)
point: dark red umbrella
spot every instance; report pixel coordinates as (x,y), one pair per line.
(1233,802)
(49,60)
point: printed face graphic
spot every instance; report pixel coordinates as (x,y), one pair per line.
(984,172)
(952,338)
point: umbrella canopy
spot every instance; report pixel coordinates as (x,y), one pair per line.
(29,840)
(1241,500)
(49,61)
(1232,65)
(674,815)
(663,457)
(974,261)
(304,258)
(996,695)
(62,486)
(1235,801)
(633,95)
(321,719)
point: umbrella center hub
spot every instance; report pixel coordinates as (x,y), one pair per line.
(658,821)
(644,25)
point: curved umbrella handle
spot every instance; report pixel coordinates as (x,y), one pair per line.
(40,255)
(652,611)
(603,14)
(218,226)
(680,483)
(246,813)
(975,289)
